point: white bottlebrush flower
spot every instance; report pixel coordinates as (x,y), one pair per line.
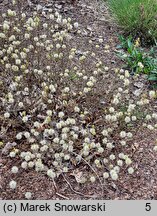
(129,135)
(27,157)
(61,114)
(24,165)
(140,65)
(154,115)
(66,89)
(113,118)
(44,148)
(72,121)
(126,82)
(2,35)
(12,38)
(12,154)
(19,136)
(23,15)
(90,84)
(117,169)
(127,119)
(64,136)
(27,35)
(130,170)
(36,124)
(52,88)
(104,132)
(113,175)
(65,169)
(51,173)
(27,135)
(101,40)
(76,25)
(66,157)
(121,155)
(148,117)
(6,115)
(39,166)
(152,94)
(92,131)
(56,55)
(18,61)
(106,175)
(111,109)
(150,127)
(86,90)
(120,163)
(109,145)
(115,101)
(104,141)
(56,140)
(128,161)
(76,109)
(12,184)
(25,119)
(112,157)
(51,131)
(36,133)
(28,195)
(75,136)
(49,112)
(122,134)
(14,169)
(133,118)
(87,140)
(31,164)
(20,104)
(45,25)
(34,147)
(11,12)
(97,161)
(6,26)
(127,74)
(64,21)
(155,148)
(92,179)
(59,125)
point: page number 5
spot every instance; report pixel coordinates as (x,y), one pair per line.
(148,207)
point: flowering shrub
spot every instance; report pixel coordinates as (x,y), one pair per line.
(51,115)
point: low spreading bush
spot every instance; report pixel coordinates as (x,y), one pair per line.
(53,117)
(136,17)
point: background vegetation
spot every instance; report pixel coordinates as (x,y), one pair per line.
(136,17)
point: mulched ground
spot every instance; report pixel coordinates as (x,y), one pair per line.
(94,18)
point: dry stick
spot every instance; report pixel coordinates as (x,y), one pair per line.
(91,169)
(58,194)
(54,183)
(79,193)
(102,186)
(64,197)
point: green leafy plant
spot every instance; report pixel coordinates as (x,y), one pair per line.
(136,17)
(138,61)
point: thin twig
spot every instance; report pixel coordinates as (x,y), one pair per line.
(77,192)
(60,195)
(54,183)
(102,186)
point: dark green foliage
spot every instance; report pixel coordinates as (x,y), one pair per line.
(136,59)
